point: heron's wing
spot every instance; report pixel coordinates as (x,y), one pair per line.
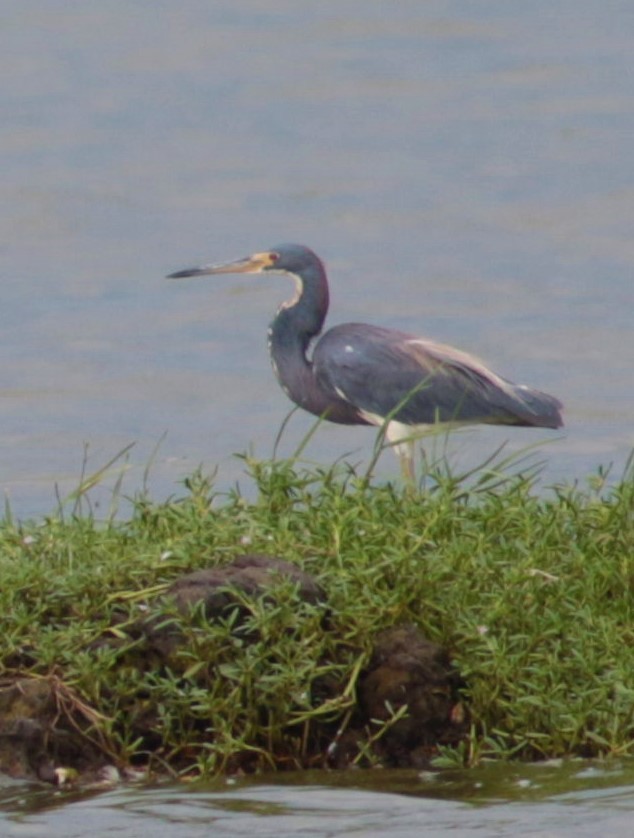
(383,373)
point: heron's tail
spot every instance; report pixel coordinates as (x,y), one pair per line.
(538,409)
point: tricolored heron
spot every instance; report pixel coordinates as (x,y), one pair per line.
(360,374)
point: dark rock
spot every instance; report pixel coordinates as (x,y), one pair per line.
(251,574)
(220,591)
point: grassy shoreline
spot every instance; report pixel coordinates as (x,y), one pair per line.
(531,594)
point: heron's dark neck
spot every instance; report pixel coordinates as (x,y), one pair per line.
(297,322)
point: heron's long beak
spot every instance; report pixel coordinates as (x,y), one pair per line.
(251,265)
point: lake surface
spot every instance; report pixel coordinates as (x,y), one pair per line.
(465,170)
(576,799)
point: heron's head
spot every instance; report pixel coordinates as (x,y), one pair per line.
(293,259)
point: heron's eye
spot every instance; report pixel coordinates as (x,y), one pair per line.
(274,256)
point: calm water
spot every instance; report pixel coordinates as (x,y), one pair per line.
(465,169)
(552,801)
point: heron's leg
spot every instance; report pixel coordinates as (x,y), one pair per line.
(405,452)
(402,438)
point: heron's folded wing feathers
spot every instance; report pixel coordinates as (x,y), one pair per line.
(385,372)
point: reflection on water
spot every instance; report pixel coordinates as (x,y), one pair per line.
(553,799)
(465,169)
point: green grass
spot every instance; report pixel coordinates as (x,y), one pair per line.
(532,594)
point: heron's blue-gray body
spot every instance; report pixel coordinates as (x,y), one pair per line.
(363,374)
(423,382)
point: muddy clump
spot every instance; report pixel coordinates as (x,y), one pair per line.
(44,725)
(410,674)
